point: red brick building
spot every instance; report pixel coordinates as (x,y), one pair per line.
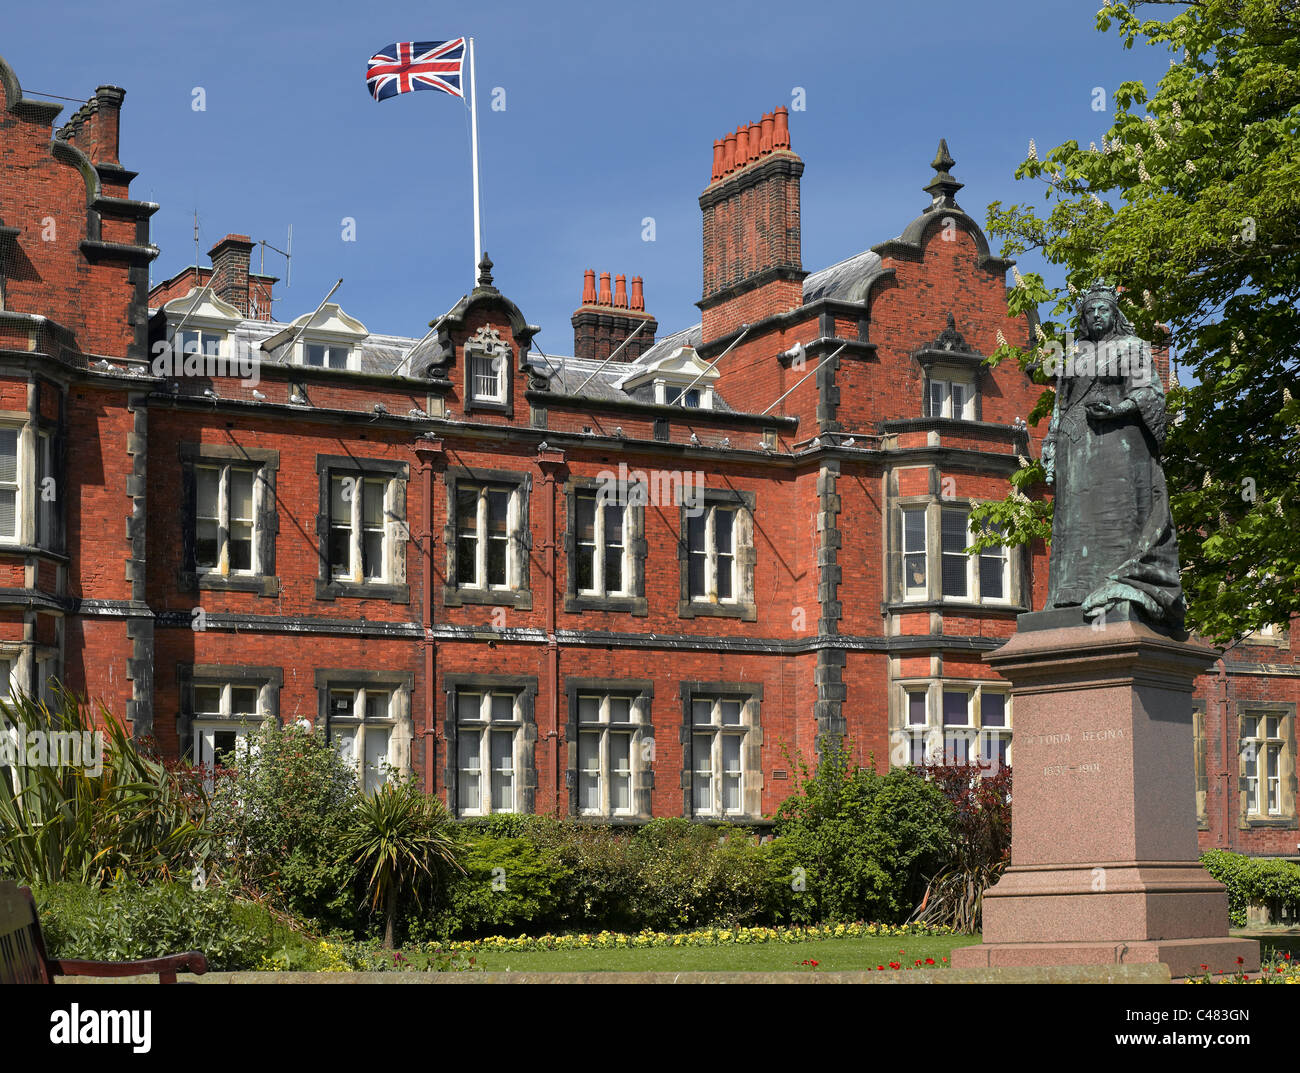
(631,582)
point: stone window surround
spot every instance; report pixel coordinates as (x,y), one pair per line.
(934,599)
(395,589)
(751,757)
(263,580)
(525,687)
(520,597)
(643,779)
(1286,765)
(1201,765)
(481,344)
(744,606)
(634,601)
(401,684)
(269,681)
(901,730)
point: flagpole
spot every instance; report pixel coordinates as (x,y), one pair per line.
(473,118)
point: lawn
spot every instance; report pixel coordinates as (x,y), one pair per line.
(831,955)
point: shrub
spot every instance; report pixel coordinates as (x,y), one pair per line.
(126,922)
(1253,880)
(865,841)
(510,885)
(72,823)
(278,821)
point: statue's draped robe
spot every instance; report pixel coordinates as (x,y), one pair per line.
(1113,537)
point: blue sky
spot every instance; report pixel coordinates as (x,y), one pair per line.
(610,114)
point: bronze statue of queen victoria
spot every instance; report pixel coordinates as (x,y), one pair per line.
(1113,537)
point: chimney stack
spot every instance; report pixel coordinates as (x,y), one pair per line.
(752,261)
(230,265)
(605,320)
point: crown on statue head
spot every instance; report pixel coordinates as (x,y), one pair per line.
(1101,290)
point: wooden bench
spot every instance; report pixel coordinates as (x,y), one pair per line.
(22,949)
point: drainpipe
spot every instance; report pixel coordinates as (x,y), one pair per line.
(550,461)
(430,453)
(1226,839)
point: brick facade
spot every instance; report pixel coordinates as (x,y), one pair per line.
(381,498)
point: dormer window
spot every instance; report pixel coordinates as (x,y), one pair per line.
(325,355)
(680,378)
(201,341)
(486,379)
(950,398)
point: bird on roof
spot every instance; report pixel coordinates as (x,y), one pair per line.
(258,395)
(416,411)
(726,441)
(695,439)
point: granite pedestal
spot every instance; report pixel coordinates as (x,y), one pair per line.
(1104,859)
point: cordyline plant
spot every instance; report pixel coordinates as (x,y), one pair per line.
(401,841)
(1188,205)
(63,822)
(981,846)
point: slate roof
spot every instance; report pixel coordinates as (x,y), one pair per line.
(845,281)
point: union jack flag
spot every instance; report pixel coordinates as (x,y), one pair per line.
(411,65)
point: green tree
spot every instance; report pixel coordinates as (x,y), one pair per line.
(277,821)
(1190,205)
(402,844)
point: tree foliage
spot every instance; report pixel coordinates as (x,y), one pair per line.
(1190,204)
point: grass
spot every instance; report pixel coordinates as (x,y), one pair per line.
(832,955)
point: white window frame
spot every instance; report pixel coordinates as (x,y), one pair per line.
(45,508)
(498,363)
(18,485)
(669,393)
(932,736)
(223,567)
(717,732)
(328,346)
(942,387)
(480,535)
(483,727)
(911,592)
(712,556)
(968,596)
(207,724)
(210,342)
(359,722)
(599,545)
(974,582)
(355,500)
(1264,752)
(604,728)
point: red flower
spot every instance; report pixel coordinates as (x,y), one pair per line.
(930,961)
(1205,966)
(895,965)
(880,966)
(1241,961)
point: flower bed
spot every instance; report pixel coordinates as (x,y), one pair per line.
(606,940)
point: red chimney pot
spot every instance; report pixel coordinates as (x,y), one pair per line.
(765,141)
(718,147)
(589,287)
(638,294)
(729,154)
(742,145)
(620,291)
(604,298)
(781,131)
(755,137)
